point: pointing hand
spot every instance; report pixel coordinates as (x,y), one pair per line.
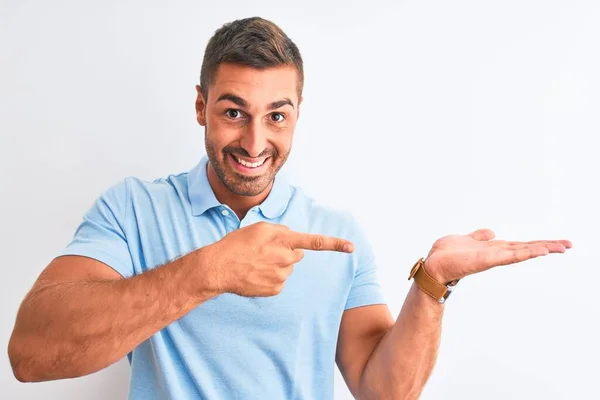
(256,260)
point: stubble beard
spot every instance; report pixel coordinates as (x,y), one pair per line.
(239,184)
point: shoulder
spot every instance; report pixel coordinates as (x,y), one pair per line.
(162,185)
(133,192)
(133,185)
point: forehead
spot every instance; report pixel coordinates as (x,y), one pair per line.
(256,86)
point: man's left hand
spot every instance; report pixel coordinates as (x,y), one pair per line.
(454,257)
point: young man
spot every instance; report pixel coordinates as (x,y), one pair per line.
(227,282)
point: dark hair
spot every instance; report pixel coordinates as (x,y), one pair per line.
(254,42)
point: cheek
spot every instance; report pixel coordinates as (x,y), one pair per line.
(219,132)
(212,122)
(282,141)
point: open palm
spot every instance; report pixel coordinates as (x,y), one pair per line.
(456,256)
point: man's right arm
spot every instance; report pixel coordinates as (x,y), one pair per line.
(82,316)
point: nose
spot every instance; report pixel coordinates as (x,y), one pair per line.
(254,140)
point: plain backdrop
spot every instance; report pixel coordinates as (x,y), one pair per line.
(423,118)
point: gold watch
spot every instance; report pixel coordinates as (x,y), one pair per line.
(439,291)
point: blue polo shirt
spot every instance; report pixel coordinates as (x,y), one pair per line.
(231,347)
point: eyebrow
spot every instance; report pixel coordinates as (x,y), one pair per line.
(237,100)
(280,103)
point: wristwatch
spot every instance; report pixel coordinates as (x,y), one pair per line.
(439,291)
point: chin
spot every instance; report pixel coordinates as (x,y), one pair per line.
(246,191)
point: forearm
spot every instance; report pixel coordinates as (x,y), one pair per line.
(404,359)
(71,329)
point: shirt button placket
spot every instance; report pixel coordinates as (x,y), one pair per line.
(230,219)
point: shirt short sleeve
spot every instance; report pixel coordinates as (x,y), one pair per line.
(366,288)
(101,234)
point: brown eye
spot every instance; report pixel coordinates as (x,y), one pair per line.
(233,114)
(277,117)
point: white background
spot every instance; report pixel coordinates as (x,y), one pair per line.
(423,118)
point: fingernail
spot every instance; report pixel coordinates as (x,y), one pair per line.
(347,248)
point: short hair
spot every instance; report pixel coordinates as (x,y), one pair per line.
(254,42)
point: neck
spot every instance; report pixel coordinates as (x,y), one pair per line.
(239,204)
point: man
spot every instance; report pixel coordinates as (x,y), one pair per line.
(227,282)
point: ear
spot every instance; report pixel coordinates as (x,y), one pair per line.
(200,107)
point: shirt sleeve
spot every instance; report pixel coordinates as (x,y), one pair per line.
(366,288)
(101,234)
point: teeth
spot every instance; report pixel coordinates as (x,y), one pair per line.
(250,165)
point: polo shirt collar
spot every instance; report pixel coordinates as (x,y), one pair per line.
(202,197)
(278,199)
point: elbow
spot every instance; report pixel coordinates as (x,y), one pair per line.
(32,364)
(24,371)
(17,362)
(21,364)
(20,371)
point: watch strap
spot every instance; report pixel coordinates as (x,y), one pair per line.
(437,290)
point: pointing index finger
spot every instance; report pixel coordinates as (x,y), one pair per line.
(309,241)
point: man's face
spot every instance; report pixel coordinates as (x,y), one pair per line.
(249,116)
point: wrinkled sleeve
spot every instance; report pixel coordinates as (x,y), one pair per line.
(101,234)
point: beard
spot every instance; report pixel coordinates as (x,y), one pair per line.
(237,183)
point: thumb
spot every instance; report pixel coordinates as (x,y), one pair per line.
(482,234)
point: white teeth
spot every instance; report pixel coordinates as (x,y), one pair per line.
(250,165)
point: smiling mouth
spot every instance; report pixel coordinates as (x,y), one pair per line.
(249,164)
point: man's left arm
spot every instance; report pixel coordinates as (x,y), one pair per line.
(379,357)
(383,359)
